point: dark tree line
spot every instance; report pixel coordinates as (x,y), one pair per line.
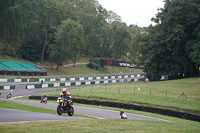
(172,46)
(60,30)
(33,30)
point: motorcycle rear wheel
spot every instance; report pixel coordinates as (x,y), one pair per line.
(59,111)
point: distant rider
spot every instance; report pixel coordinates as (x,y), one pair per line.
(45,97)
(121,113)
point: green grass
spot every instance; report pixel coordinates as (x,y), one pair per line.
(157,98)
(102,126)
(18,106)
(82,69)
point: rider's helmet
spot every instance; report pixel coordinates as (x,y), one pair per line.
(44,95)
(121,112)
(64,90)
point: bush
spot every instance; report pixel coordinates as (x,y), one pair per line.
(93,65)
(90,65)
(7,49)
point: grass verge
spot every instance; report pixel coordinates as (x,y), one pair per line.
(105,126)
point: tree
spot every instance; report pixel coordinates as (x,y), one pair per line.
(50,14)
(113,17)
(173,44)
(136,55)
(70,37)
(30,48)
(92,16)
(120,40)
(56,55)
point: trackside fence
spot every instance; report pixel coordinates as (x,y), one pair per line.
(7,87)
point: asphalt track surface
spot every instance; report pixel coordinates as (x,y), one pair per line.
(9,115)
(21,116)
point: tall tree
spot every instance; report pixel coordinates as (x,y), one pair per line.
(70,37)
(136,55)
(120,40)
(174,40)
(50,16)
(92,16)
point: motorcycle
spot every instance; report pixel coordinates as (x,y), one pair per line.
(65,106)
(9,96)
(123,115)
(43,100)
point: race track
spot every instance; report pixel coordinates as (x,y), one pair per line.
(93,112)
(9,115)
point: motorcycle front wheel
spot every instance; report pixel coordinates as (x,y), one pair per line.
(71,111)
(59,110)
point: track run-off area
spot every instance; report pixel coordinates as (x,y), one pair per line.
(10,115)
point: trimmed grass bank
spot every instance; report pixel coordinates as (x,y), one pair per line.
(101,126)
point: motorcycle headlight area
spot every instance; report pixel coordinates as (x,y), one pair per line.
(59,100)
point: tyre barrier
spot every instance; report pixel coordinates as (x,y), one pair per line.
(167,112)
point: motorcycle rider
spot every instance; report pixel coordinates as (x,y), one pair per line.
(45,97)
(9,95)
(123,115)
(65,94)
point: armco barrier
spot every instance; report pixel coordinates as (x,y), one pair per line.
(92,77)
(7,87)
(132,107)
(77,83)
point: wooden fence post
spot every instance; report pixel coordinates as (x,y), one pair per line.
(150,91)
(119,89)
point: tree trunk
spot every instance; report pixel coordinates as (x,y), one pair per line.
(113,57)
(11,31)
(45,41)
(74,64)
(51,65)
(57,67)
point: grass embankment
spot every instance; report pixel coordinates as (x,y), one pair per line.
(83,69)
(162,94)
(102,126)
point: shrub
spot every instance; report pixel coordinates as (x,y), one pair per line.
(90,65)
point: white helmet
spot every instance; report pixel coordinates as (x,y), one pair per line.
(64,90)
